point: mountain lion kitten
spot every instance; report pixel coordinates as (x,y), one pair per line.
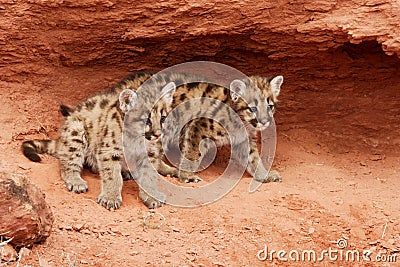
(92,136)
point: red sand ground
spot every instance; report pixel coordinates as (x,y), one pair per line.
(338,153)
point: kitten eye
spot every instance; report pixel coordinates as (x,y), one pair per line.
(253,109)
(147,121)
(162,120)
(271,106)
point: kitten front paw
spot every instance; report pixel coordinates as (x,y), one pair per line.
(273,176)
(150,201)
(190,178)
(109,202)
(77,185)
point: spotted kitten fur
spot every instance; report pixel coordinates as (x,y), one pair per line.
(92,136)
(256,114)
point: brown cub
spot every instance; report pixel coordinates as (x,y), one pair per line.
(92,136)
(256,113)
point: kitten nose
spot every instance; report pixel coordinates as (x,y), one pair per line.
(157,134)
(266,121)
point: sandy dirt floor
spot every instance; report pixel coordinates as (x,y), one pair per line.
(337,150)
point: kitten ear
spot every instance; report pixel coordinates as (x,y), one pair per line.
(275,84)
(65,110)
(237,89)
(127,100)
(168,92)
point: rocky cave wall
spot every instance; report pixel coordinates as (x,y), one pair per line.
(332,53)
(156,34)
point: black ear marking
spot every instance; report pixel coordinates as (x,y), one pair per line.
(65,110)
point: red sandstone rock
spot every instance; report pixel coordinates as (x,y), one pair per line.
(155,34)
(7,253)
(25,216)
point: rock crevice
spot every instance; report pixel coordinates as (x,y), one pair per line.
(156,34)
